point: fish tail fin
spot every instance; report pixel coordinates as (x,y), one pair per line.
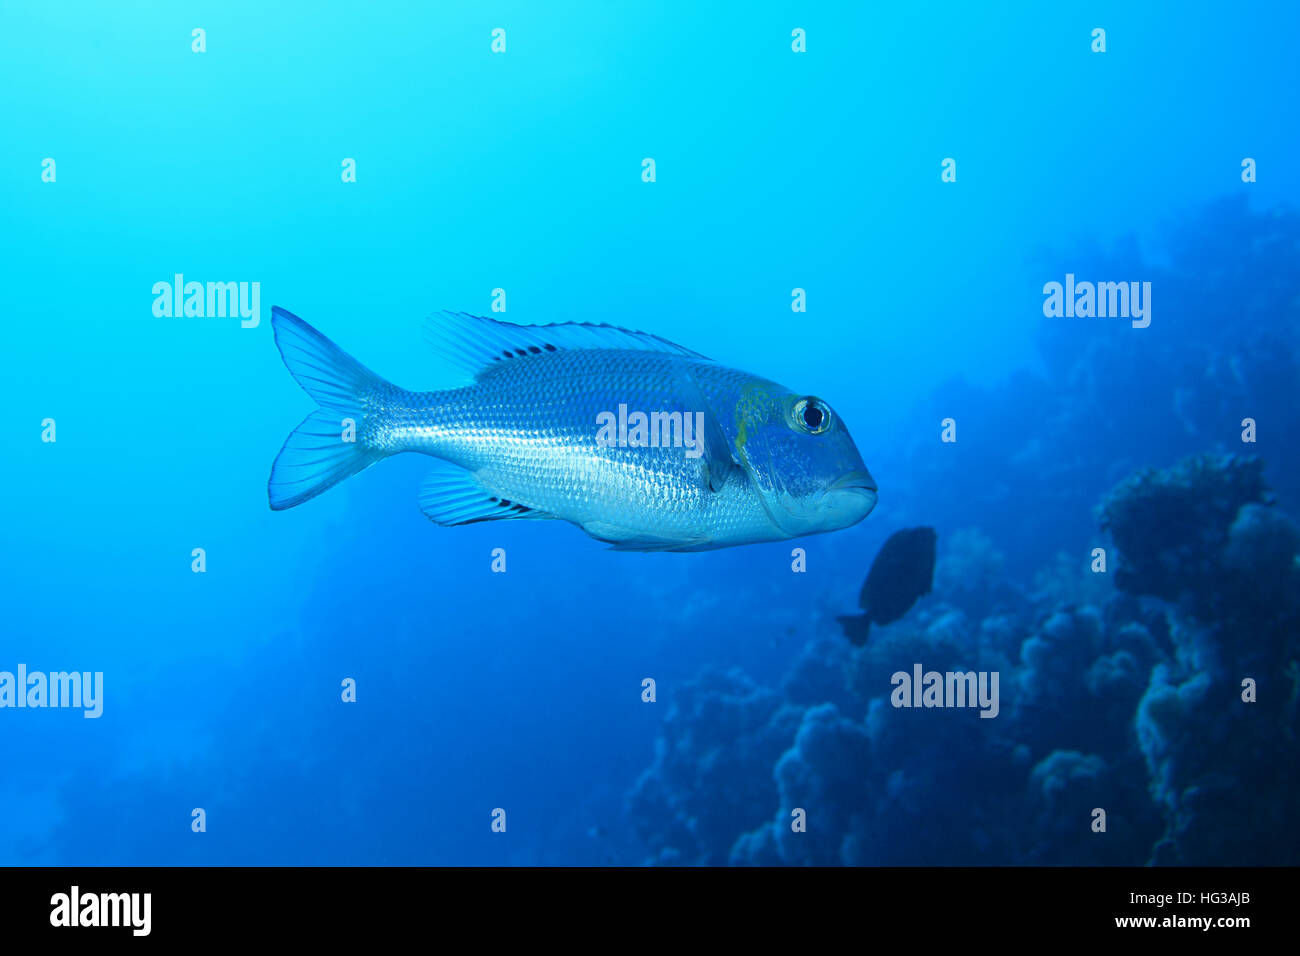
(328,446)
(856,628)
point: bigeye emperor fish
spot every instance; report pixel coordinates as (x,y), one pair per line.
(641,443)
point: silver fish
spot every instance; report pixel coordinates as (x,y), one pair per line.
(707,457)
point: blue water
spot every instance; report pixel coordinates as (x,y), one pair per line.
(522,171)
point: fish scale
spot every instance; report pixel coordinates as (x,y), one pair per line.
(527,430)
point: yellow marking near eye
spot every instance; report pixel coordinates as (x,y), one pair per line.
(750,405)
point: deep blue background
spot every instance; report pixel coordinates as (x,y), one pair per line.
(775,170)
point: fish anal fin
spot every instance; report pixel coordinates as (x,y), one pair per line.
(452,496)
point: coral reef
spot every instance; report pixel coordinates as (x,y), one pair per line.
(1217,722)
(712,776)
(1164,691)
(1134,706)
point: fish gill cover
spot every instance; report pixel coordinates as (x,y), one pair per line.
(1045,269)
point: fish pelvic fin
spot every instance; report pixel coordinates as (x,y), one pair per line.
(329,445)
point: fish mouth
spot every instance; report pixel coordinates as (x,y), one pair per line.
(852,497)
(854,481)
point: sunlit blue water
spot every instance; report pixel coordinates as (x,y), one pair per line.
(522,171)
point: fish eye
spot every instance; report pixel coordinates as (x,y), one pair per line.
(812,415)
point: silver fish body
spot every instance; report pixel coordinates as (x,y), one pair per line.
(724,465)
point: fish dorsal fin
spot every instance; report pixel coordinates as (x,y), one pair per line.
(476,343)
(451,496)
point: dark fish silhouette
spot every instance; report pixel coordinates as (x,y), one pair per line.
(902,572)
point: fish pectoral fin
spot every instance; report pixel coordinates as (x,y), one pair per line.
(452,496)
(718,463)
(719,466)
